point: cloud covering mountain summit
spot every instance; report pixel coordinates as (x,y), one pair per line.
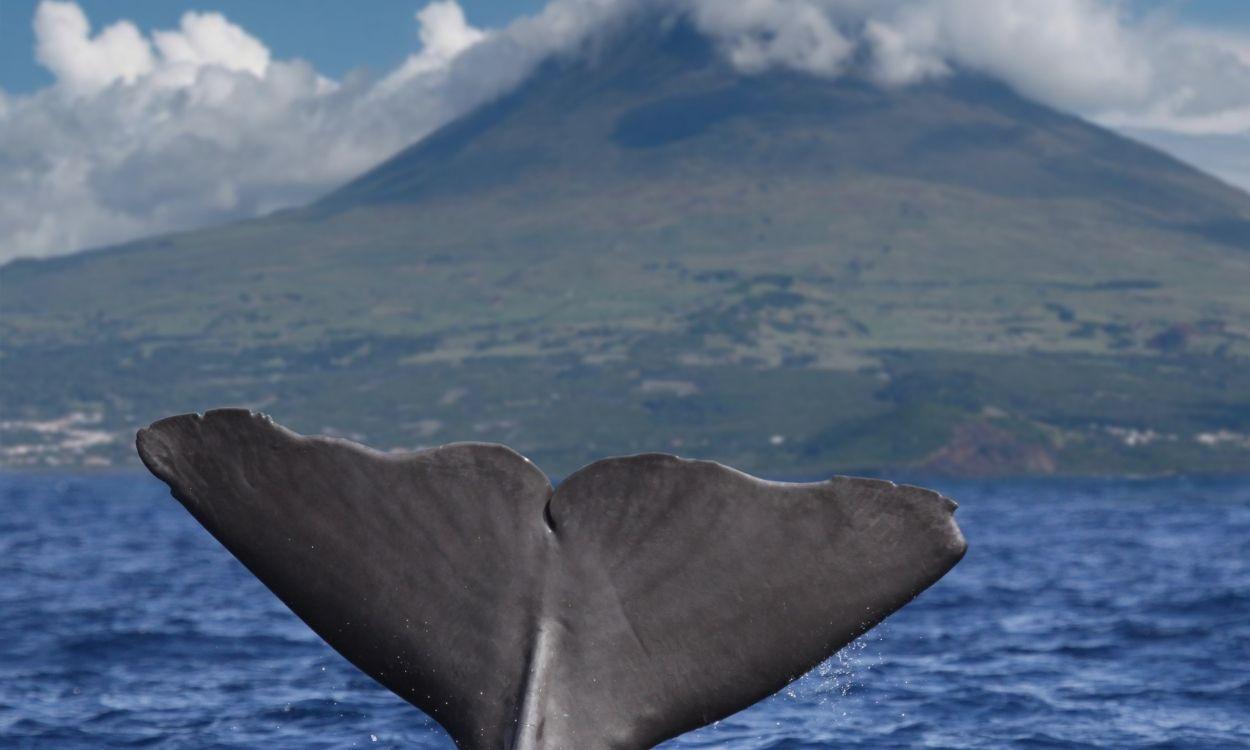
(144,132)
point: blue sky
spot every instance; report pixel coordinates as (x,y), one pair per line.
(335,35)
(125,118)
(339,35)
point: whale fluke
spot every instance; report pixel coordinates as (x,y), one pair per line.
(647,596)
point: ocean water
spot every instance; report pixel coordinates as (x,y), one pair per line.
(1109,613)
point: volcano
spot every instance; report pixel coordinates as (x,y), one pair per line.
(642,248)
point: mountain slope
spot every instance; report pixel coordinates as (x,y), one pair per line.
(641,248)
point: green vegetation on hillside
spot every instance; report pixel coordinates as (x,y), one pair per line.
(653,252)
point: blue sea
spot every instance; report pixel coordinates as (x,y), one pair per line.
(1088,613)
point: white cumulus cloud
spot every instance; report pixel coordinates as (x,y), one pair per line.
(209,40)
(83,63)
(1087,56)
(759,34)
(445,33)
(143,133)
(1080,53)
(1148,75)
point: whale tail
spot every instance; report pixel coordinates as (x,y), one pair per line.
(647,596)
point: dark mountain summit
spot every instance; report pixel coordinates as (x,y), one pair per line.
(642,248)
(663,107)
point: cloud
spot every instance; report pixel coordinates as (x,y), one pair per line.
(144,132)
(760,34)
(445,33)
(1078,52)
(1182,88)
(209,40)
(141,134)
(1092,57)
(82,63)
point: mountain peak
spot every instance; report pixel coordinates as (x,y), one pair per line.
(786,271)
(649,97)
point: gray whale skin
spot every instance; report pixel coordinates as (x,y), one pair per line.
(647,596)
